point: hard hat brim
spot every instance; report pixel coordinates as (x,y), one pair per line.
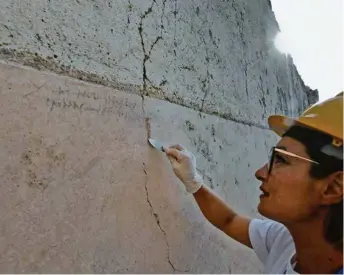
(325,117)
(280,124)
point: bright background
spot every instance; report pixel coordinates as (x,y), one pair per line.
(312,33)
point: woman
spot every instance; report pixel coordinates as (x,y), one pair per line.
(302,194)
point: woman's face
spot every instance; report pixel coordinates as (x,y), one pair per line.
(288,192)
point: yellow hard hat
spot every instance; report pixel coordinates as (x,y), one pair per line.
(326,117)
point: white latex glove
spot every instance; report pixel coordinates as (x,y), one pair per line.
(184,166)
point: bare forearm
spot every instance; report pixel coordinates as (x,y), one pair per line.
(215,210)
(222,216)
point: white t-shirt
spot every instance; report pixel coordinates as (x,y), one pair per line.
(273,245)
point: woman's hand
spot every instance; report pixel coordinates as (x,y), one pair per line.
(184,166)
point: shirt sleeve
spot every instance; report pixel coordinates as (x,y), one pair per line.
(263,234)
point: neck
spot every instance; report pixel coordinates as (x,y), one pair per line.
(313,253)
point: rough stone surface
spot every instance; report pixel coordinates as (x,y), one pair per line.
(82,192)
(213,56)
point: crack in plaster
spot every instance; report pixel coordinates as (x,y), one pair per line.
(175,12)
(205,82)
(157,220)
(246,87)
(162,16)
(147,55)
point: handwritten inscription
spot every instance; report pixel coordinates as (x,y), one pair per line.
(60,91)
(64,103)
(88,94)
(91,101)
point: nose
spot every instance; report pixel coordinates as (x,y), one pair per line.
(262,173)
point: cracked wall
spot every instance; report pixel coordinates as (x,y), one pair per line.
(217,57)
(82,190)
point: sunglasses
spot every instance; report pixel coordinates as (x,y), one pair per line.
(272,156)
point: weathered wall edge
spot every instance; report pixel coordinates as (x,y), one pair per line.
(48,64)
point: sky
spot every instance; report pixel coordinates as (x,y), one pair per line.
(312,32)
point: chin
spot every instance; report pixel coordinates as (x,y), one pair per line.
(272,214)
(264,211)
(260,209)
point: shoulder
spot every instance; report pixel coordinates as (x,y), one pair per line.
(270,239)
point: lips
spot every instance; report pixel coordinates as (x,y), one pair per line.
(265,193)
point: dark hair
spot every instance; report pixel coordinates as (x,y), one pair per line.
(314,141)
(334,220)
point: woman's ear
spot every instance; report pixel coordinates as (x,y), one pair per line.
(333,192)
